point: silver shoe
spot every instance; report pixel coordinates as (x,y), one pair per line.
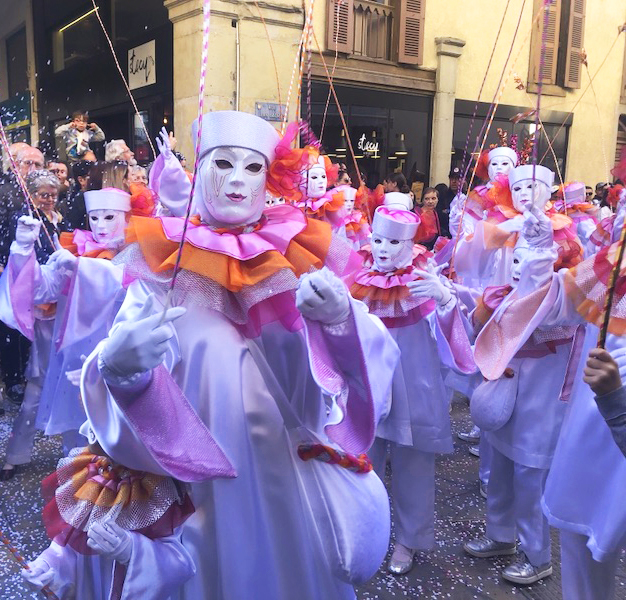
(484,547)
(472,436)
(401,560)
(474,450)
(523,572)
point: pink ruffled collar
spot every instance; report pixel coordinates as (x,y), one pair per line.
(315,204)
(283,223)
(85,243)
(354,217)
(388,280)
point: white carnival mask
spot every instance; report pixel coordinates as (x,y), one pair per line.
(499,165)
(527,193)
(233,186)
(314,180)
(107,226)
(391,254)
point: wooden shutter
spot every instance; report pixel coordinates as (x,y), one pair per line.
(575,40)
(340,31)
(548,74)
(411,28)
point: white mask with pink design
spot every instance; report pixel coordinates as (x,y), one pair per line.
(501,160)
(314,181)
(525,191)
(393,231)
(235,151)
(107,210)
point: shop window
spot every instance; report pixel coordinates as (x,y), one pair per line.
(133,19)
(17,63)
(564,43)
(79,40)
(388,30)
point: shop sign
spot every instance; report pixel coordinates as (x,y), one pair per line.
(142,65)
(367,146)
(15,112)
(270,111)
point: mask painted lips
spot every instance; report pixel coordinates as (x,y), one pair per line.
(236,197)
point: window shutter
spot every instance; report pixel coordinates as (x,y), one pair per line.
(340,31)
(411,27)
(575,40)
(552,43)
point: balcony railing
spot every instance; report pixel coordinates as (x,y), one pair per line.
(373,29)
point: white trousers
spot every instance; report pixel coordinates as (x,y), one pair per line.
(582,577)
(412,490)
(485,460)
(514,507)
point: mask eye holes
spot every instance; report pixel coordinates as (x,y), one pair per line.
(109,217)
(222,163)
(377,241)
(395,242)
(254,167)
(517,188)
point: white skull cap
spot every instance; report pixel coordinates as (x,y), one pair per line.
(398,200)
(575,192)
(525,172)
(395,223)
(348,191)
(107,199)
(504,151)
(239,129)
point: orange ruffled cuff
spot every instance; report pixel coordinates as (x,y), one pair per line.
(66,240)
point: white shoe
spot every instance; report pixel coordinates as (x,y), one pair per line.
(472,436)
(401,560)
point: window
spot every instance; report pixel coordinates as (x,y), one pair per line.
(17,63)
(133,18)
(564,43)
(392,30)
(78,40)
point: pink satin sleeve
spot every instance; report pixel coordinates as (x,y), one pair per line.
(356,366)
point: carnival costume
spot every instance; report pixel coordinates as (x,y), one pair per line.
(429,332)
(214,394)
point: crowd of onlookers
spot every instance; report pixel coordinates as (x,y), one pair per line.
(56,188)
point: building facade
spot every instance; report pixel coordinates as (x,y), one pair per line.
(76,69)
(18,100)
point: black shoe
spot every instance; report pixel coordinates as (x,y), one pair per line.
(8,474)
(16,393)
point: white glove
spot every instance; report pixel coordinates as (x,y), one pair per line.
(164,144)
(430,286)
(139,345)
(537,229)
(512,225)
(27,232)
(322,296)
(62,259)
(39,575)
(619,356)
(110,540)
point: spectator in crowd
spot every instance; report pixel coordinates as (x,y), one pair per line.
(396,182)
(77,135)
(446,195)
(429,229)
(588,193)
(602,189)
(76,212)
(119,150)
(60,169)
(137,174)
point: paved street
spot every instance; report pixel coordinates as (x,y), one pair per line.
(446,573)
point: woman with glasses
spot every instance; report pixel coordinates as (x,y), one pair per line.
(43,187)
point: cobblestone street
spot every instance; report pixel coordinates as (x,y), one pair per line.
(445,573)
